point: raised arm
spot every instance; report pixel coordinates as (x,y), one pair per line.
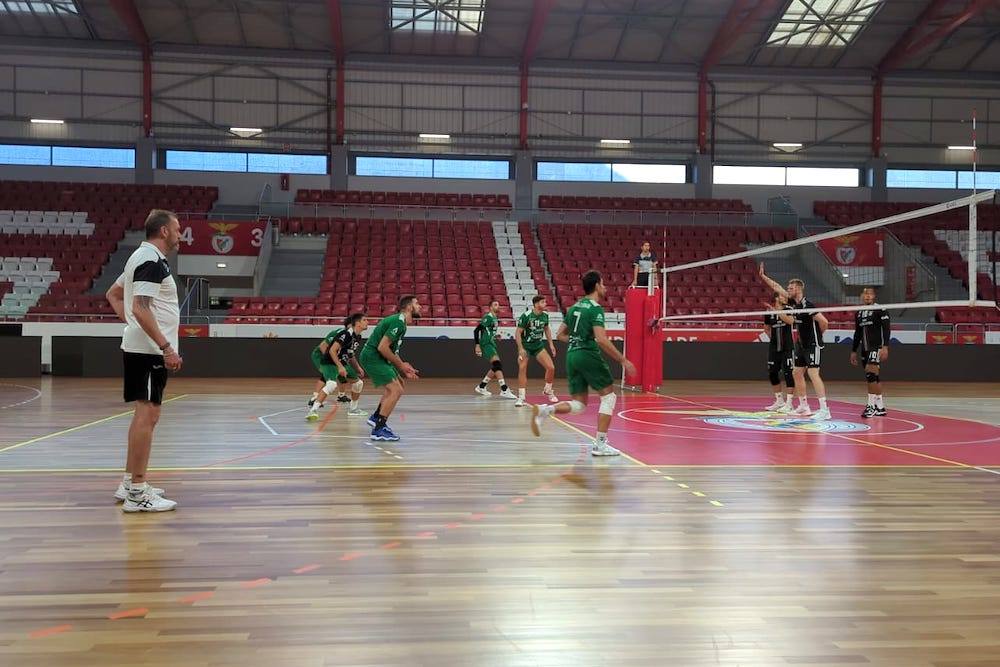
(563,333)
(771,283)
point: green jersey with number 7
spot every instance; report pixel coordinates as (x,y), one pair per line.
(581,319)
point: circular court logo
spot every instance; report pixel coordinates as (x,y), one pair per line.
(771,423)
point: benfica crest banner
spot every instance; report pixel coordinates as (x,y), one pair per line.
(855,250)
(219,237)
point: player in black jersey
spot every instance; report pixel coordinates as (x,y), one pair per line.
(336,360)
(871,336)
(810,328)
(779,355)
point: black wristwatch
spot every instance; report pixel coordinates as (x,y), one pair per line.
(164,346)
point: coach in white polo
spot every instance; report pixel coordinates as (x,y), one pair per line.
(145,298)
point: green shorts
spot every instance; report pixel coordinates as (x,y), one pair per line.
(585,368)
(489,350)
(380,371)
(330,372)
(533,351)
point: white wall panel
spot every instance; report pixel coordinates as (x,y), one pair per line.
(437,97)
(554,124)
(555,99)
(611,126)
(39,105)
(51,80)
(490,122)
(250,88)
(6,104)
(610,102)
(120,82)
(374,94)
(373,120)
(434,121)
(229,114)
(112,108)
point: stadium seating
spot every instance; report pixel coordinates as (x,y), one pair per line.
(643,204)
(453,267)
(572,249)
(365,198)
(57,236)
(941,237)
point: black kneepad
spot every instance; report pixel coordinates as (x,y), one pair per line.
(497,366)
(871,378)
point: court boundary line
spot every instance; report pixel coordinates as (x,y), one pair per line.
(80,427)
(38,395)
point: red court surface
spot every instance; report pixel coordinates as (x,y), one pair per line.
(730,431)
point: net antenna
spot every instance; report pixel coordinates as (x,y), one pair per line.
(718,265)
(973,225)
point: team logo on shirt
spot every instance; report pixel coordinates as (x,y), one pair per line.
(222,241)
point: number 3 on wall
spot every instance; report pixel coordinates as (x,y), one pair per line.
(257,235)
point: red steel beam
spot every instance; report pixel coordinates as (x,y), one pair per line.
(909,45)
(741,16)
(877,117)
(129,16)
(337,46)
(539,16)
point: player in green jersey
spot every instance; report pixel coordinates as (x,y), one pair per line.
(381,361)
(531,334)
(583,329)
(485,336)
(336,360)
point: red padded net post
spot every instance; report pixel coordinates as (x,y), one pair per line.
(635,336)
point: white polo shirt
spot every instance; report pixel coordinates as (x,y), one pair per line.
(148,274)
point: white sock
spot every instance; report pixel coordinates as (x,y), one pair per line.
(547,389)
(822,402)
(871,400)
(487,379)
(520,393)
(878,402)
(790,399)
(127,479)
(136,490)
(314,396)
(602,438)
(803,401)
(546,410)
(777,396)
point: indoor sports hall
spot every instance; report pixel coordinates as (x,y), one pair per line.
(499,332)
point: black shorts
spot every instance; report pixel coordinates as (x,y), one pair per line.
(869,357)
(782,359)
(642,280)
(145,377)
(807,356)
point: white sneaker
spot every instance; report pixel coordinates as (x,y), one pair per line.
(508,394)
(778,404)
(148,502)
(519,403)
(483,391)
(822,414)
(803,410)
(603,450)
(356,412)
(122,492)
(786,409)
(552,398)
(537,417)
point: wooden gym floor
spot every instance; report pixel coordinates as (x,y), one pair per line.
(725,537)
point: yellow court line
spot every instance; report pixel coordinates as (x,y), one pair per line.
(360,466)
(80,427)
(584,434)
(464,466)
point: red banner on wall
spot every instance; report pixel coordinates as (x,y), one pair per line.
(194,330)
(218,237)
(855,250)
(712,335)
